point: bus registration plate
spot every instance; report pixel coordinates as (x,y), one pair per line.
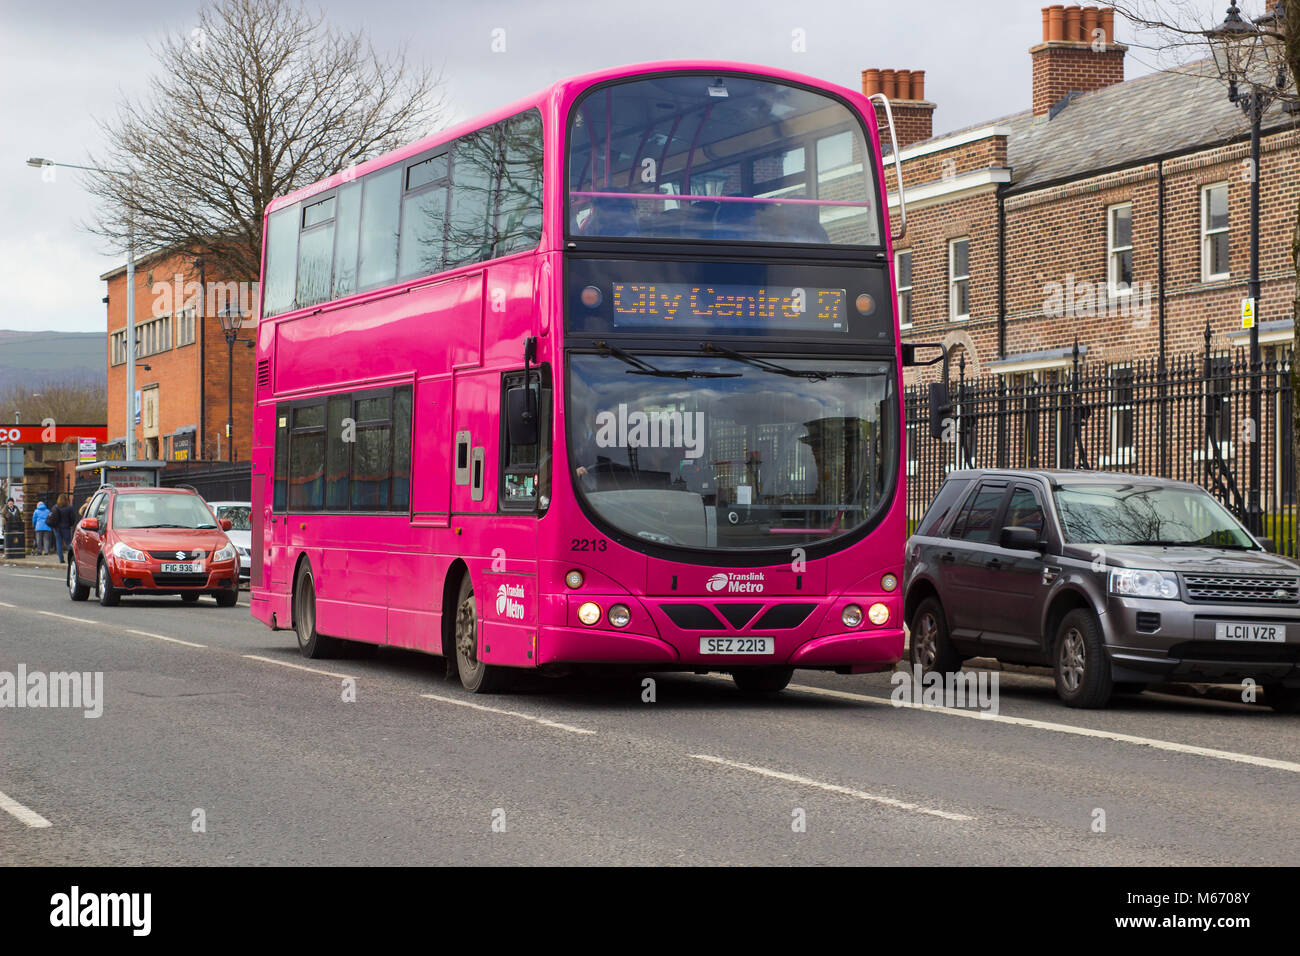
(737,645)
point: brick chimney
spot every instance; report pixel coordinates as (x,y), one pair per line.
(913,113)
(1078,54)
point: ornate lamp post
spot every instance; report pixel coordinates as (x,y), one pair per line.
(1250,59)
(232,319)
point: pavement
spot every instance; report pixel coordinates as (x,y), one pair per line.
(219,744)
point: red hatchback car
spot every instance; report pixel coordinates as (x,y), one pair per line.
(152,541)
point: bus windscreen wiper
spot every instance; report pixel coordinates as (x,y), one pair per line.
(642,367)
(769,366)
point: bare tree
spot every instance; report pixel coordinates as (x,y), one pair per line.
(72,403)
(261,98)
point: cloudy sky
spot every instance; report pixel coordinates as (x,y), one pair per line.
(64,64)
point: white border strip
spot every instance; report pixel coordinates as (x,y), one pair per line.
(1169,745)
(833,788)
(510,713)
(22,813)
(297,667)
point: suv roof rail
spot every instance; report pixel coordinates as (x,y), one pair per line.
(188,488)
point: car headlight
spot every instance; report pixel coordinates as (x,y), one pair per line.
(127,553)
(226,553)
(1139,582)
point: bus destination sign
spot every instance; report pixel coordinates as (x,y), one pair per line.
(741,307)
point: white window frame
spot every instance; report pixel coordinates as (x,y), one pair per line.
(954,280)
(1207,234)
(1120,454)
(1113,252)
(898,282)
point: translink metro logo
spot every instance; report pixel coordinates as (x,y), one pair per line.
(736,582)
(510,601)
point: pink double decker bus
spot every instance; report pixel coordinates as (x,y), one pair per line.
(608,377)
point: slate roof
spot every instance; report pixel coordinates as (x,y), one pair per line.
(1127,124)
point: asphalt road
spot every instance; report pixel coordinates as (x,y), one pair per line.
(209,717)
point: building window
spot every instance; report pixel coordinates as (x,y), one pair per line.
(119,347)
(903,279)
(150,337)
(1214,232)
(959,279)
(185,327)
(1121,415)
(1119,244)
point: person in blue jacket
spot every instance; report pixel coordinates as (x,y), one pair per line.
(40,523)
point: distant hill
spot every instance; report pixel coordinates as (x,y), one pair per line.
(33,358)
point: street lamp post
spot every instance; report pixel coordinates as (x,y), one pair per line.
(40,163)
(1250,57)
(231,321)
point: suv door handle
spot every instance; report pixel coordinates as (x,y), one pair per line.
(993,563)
(948,557)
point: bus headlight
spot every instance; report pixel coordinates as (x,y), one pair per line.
(878,613)
(620,616)
(851,616)
(589,613)
(574,578)
(889,582)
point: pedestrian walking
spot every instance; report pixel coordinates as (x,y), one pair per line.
(40,524)
(13,517)
(61,521)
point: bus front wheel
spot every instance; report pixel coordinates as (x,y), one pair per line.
(476,676)
(762,680)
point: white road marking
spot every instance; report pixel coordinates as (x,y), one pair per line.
(3,604)
(1152,742)
(297,667)
(510,713)
(164,637)
(22,813)
(79,620)
(833,788)
(39,577)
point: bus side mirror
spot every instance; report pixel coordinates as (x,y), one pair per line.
(521,416)
(940,409)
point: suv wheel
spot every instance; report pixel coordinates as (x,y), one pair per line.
(1081,666)
(108,595)
(76,590)
(928,646)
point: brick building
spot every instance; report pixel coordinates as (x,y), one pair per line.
(1111,211)
(182,362)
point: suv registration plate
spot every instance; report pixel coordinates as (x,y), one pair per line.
(1275,633)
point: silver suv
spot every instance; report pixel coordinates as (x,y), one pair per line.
(1114,581)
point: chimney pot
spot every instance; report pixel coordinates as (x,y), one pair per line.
(1073,23)
(918,84)
(889,84)
(1046,23)
(903,80)
(1107,17)
(1056,22)
(870,82)
(1091,17)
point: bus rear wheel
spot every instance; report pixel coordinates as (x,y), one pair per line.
(310,643)
(476,676)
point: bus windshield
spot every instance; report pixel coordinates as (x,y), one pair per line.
(731,451)
(720,157)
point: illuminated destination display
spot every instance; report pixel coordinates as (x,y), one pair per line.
(733,306)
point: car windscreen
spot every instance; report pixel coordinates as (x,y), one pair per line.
(161,511)
(1139,513)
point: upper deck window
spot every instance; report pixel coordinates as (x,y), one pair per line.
(714,157)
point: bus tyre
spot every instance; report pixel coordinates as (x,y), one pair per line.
(227,598)
(1285,700)
(76,590)
(1081,667)
(928,646)
(108,596)
(310,643)
(762,680)
(476,676)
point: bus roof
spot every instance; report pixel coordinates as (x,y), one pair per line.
(559,92)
